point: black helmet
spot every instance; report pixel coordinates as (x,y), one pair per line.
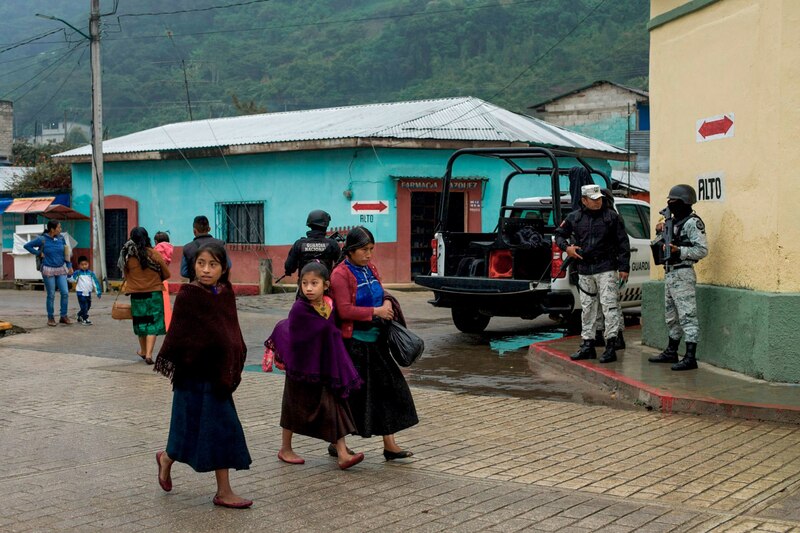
(684,193)
(318,218)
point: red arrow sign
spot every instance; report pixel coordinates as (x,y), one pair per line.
(715,127)
(379,207)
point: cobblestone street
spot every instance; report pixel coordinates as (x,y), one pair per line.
(79,436)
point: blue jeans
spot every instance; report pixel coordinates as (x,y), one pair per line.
(50,284)
(86,303)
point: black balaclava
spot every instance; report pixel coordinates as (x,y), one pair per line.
(679,209)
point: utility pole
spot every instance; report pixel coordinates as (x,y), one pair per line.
(98,201)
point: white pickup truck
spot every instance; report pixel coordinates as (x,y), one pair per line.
(563,284)
(515,271)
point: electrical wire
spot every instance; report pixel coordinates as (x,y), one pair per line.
(58,90)
(210,8)
(30,40)
(508,85)
(45,69)
(339,21)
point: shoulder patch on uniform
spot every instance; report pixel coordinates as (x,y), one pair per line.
(700,225)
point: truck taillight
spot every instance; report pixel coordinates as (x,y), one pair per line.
(501,264)
(434,256)
(555,266)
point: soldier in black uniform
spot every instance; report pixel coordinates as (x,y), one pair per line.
(603,249)
(315,245)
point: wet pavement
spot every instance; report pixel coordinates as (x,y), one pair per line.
(81,419)
(493,363)
(632,380)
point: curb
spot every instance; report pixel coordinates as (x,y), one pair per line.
(653,398)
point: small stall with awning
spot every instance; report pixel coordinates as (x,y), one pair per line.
(17,228)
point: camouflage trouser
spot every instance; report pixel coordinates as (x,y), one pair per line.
(680,304)
(600,323)
(604,285)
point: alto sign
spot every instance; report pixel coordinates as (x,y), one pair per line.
(713,128)
(710,187)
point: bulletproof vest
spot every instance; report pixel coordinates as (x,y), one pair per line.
(319,249)
(682,238)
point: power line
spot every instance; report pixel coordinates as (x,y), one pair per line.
(29,40)
(58,90)
(210,8)
(36,55)
(340,21)
(49,66)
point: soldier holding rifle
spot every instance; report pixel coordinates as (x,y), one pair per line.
(681,243)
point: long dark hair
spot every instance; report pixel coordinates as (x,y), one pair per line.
(141,239)
(219,254)
(314,267)
(317,268)
(357,237)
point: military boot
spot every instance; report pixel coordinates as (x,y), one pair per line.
(669,355)
(688,362)
(599,338)
(586,351)
(610,355)
(620,342)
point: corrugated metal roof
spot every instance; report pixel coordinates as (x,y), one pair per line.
(634,180)
(7,175)
(641,93)
(457,119)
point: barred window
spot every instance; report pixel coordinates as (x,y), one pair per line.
(240,222)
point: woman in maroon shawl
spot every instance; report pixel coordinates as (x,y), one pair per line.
(203,355)
(319,373)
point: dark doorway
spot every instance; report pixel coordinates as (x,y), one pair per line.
(116,235)
(424,212)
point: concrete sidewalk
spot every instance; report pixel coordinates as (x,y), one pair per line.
(707,390)
(79,436)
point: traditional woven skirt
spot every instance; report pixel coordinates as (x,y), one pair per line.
(383,405)
(205,431)
(314,411)
(147,309)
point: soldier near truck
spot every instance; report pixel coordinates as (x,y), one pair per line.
(687,245)
(602,249)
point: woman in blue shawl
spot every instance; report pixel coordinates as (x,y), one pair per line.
(383,405)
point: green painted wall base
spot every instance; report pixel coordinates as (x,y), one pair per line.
(752,332)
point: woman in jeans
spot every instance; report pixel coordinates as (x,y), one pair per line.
(56,266)
(144,271)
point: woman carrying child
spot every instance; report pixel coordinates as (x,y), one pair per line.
(164,247)
(319,373)
(203,355)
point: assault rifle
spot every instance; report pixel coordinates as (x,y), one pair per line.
(662,246)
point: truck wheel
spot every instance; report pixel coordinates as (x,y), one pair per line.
(469,320)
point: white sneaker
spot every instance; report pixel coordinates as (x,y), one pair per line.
(87,322)
(80,320)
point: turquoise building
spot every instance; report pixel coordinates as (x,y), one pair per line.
(256,177)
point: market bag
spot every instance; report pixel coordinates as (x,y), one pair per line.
(119,310)
(405,346)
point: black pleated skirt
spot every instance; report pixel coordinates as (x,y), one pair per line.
(383,405)
(205,431)
(314,411)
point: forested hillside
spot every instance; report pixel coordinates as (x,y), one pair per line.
(278,55)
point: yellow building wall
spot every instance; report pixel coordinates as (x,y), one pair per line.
(740,57)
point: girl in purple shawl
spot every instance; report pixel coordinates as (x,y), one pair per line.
(319,372)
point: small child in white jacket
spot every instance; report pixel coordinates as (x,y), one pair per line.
(85,282)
